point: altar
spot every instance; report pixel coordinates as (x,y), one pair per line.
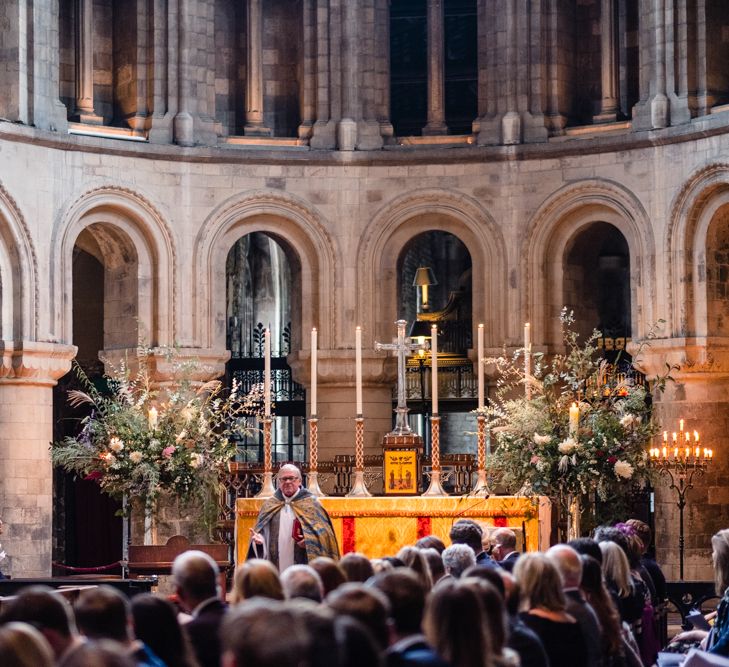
(380,526)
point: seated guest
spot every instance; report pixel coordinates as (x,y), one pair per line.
(414,559)
(302,581)
(332,576)
(318,622)
(457,558)
(21,645)
(435,564)
(155,624)
(629,598)
(104,613)
(568,563)
(196,580)
(263,633)
(49,613)
(467,531)
(256,578)
(586,546)
(408,646)
(101,653)
(503,548)
(357,567)
(365,604)
(644,534)
(543,607)
(455,626)
(357,646)
(431,542)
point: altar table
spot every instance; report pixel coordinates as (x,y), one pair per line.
(380,526)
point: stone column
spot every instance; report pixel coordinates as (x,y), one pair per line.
(677,62)
(511,120)
(184,131)
(436,70)
(323,132)
(382,60)
(255,125)
(609,105)
(85,63)
(28,373)
(703,103)
(307,86)
(349,78)
(659,102)
(700,395)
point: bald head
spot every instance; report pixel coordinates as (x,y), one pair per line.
(568,563)
(289,479)
(196,577)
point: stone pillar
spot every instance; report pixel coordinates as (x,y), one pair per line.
(183,127)
(700,395)
(28,373)
(85,63)
(703,101)
(308,83)
(652,111)
(609,70)
(349,78)
(382,65)
(436,70)
(323,134)
(677,62)
(255,125)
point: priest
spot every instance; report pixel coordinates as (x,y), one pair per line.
(292,526)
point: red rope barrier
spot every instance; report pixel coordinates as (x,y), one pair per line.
(88,570)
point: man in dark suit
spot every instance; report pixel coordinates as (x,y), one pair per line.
(503,548)
(196,579)
(408,646)
(467,531)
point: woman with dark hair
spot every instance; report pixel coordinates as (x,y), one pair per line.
(431,542)
(543,608)
(332,576)
(455,626)
(155,624)
(357,567)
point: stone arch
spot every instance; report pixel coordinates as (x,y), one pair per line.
(18,268)
(692,212)
(431,210)
(297,228)
(125,217)
(552,228)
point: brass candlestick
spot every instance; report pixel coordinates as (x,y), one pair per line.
(481,488)
(267,490)
(313,485)
(359,488)
(435,488)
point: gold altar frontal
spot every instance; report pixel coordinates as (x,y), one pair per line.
(380,526)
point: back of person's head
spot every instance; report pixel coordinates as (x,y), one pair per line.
(155,624)
(490,574)
(720,557)
(47,611)
(196,576)
(634,549)
(512,592)
(318,621)
(357,647)
(643,531)
(612,534)
(454,625)
(406,595)
(357,567)
(332,576)
(302,581)
(540,583)
(492,603)
(586,546)
(466,531)
(21,645)
(256,578)
(102,653)
(615,567)
(431,542)
(505,538)
(103,613)
(595,592)
(414,559)
(435,563)
(368,605)
(264,633)
(568,564)
(457,558)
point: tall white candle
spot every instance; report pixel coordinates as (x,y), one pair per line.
(574,419)
(434,367)
(479,363)
(358,367)
(267,372)
(314,344)
(527,359)
(152,417)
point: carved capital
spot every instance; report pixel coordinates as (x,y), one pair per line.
(697,358)
(34,363)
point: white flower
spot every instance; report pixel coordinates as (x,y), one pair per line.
(542,439)
(627,421)
(196,460)
(135,457)
(563,463)
(116,445)
(623,469)
(181,436)
(567,446)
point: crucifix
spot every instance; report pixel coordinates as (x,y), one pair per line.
(402,348)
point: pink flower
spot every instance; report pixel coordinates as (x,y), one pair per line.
(534,460)
(167,452)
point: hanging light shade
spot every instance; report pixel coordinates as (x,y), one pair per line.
(420,329)
(424,277)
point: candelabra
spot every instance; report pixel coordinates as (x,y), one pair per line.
(680,460)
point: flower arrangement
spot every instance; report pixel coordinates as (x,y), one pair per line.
(140,440)
(583,429)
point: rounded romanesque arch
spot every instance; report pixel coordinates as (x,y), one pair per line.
(703,199)
(428,210)
(555,225)
(298,229)
(18,267)
(125,226)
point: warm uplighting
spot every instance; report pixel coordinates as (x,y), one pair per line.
(685,450)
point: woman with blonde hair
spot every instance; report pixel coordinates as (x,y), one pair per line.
(543,608)
(417,562)
(256,578)
(616,569)
(21,645)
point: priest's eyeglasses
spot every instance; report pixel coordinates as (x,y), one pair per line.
(287,479)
